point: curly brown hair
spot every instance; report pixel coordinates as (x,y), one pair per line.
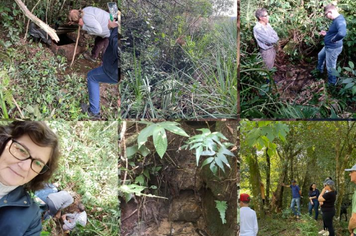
(41,135)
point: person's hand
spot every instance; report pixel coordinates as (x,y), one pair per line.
(283,184)
(63,217)
(81,22)
(323,33)
(112,24)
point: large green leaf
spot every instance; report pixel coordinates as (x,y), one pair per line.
(131,151)
(160,141)
(173,127)
(144,134)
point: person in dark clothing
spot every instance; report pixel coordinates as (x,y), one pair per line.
(107,73)
(29,154)
(328,197)
(313,198)
(333,42)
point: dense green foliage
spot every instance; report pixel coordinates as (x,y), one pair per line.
(88,166)
(179,61)
(307,152)
(35,83)
(297,24)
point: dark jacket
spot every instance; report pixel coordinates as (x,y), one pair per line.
(111,56)
(19,214)
(336,33)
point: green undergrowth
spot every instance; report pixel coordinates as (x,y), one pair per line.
(202,81)
(37,84)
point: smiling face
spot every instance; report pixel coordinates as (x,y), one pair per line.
(14,172)
(314,186)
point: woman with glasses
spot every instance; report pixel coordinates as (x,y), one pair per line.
(29,154)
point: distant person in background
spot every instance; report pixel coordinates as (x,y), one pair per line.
(266,37)
(57,202)
(296,194)
(333,42)
(325,228)
(313,200)
(248,218)
(328,197)
(42,194)
(263,195)
(352,222)
(77,218)
(95,21)
(47,190)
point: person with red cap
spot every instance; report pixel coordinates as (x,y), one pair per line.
(248,218)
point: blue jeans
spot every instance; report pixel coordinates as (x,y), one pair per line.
(95,77)
(329,56)
(315,206)
(293,203)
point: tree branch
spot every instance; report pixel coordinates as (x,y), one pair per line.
(51,32)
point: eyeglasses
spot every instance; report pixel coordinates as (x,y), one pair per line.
(21,153)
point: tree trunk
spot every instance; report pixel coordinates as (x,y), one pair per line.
(277,197)
(255,180)
(51,32)
(268,176)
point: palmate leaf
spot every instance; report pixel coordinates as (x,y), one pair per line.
(221,206)
(160,141)
(173,127)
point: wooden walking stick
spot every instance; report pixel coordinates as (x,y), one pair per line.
(76,45)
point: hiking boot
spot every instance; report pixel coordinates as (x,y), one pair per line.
(89,57)
(298,217)
(86,110)
(322,232)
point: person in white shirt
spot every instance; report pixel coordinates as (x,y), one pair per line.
(77,218)
(95,21)
(248,218)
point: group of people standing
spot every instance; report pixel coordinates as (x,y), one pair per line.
(325,199)
(267,39)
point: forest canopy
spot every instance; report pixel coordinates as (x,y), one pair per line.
(274,153)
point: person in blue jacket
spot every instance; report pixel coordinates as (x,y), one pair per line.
(29,154)
(333,42)
(107,73)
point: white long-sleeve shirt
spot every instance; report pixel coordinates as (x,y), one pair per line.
(76,218)
(96,21)
(248,222)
